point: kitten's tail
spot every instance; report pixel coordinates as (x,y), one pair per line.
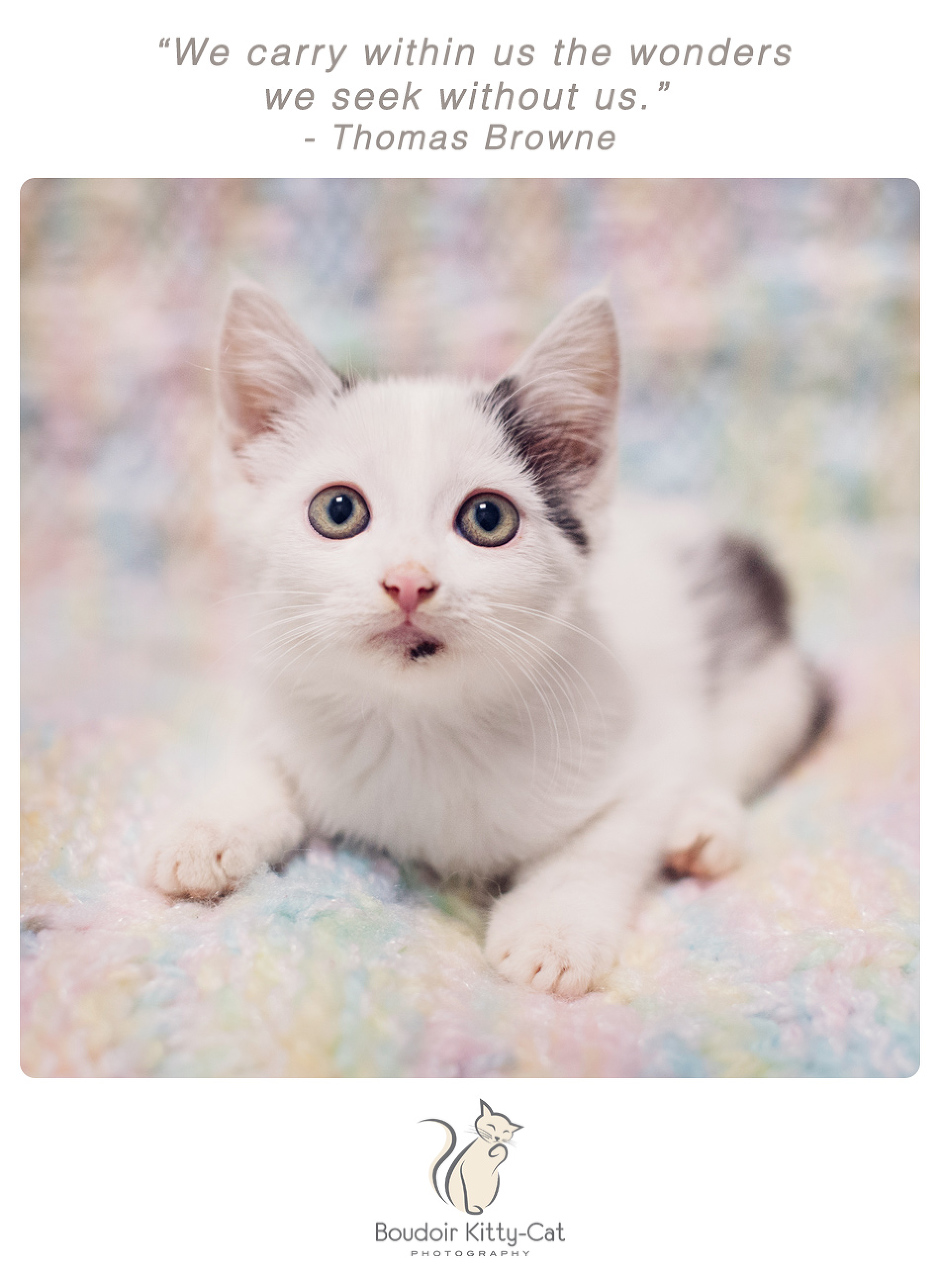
(448,1148)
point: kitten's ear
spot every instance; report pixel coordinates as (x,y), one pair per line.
(265,364)
(558,402)
(485,1109)
(514,1128)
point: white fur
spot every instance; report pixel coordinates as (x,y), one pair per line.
(566,731)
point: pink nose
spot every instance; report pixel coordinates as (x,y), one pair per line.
(409,585)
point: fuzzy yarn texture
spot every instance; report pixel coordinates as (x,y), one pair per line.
(769,369)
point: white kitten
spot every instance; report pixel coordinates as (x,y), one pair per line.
(475,654)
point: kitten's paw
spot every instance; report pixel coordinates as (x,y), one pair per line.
(207,858)
(707,838)
(203,860)
(553,956)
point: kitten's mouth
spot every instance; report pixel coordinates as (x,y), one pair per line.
(429,647)
(413,643)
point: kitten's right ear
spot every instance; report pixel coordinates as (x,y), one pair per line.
(558,406)
(265,365)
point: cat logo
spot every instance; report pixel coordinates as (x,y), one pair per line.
(472,1180)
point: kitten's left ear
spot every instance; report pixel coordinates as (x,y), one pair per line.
(558,402)
(265,366)
(514,1128)
(485,1109)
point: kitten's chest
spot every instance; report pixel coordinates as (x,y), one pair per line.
(459,796)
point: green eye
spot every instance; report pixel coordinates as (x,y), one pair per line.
(487,519)
(338,512)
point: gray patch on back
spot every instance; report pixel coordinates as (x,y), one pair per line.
(743,600)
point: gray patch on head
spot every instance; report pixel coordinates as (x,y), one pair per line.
(743,601)
(528,443)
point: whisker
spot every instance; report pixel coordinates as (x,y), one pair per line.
(557,679)
(532,637)
(602,716)
(485,649)
(567,624)
(556,761)
(281,670)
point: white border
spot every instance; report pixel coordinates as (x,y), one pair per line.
(659,1176)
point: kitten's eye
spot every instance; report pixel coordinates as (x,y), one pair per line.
(338,512)
(487,519)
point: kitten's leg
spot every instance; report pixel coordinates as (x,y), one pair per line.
(246,820)
(764,719)
(560,928)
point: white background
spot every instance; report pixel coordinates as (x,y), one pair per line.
(646,1176)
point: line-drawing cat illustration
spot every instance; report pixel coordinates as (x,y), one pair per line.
(472,1180)
(470,648)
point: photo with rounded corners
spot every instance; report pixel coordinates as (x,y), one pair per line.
(470,628)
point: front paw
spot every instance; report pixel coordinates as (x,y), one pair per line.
(203,859)
(548,953)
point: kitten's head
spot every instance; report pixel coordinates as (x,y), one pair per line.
(420,534)
(493,1127)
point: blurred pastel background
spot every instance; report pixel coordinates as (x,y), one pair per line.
(769,333)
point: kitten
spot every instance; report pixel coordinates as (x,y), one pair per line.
(472,651)
(473,1178)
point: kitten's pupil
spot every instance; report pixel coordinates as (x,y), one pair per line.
(487,515)
(340,509)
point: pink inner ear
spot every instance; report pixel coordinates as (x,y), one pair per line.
(570,375)
(558,403)
(265,365)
